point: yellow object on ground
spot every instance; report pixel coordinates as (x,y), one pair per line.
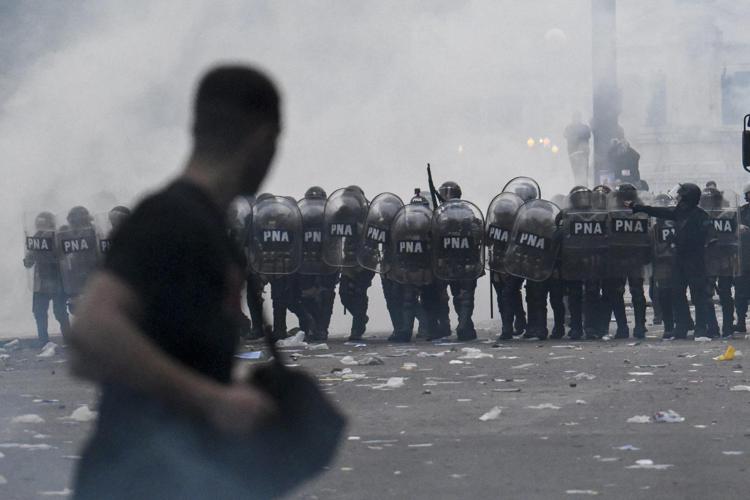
(727,356)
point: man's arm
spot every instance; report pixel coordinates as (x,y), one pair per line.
(109,347)
(667,213)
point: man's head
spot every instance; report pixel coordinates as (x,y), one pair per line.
(711,184)
(118,215)
(316,193)
(711,199)
(236,122)
(580,198)
(79,217)
(746,192)
(450,190)
(688,195)
(45,221)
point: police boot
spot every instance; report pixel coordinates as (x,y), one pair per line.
(574,334)
(740,327)
(465,330)
(558,332)
(359,325)
(623,332)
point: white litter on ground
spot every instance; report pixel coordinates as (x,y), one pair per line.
(639,374)
(581,402)
(493,414)
(432,354)
(648,464)
(702,339)
(639,419)
(391,383)
(23,446)
(582,492)
(62,493)
(584,376)
(737,388)
(627,447)
(82,414)
(525,365)
(733,453)
(27,419)
(3,480)
(12,344)
(668,417)
(455,362)
(48,351)
(420,445)
(544,406)
(474,353)
(317,347)
(409,366)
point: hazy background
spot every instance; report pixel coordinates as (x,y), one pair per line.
(95,100)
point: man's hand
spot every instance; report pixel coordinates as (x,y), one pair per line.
(239,408)
(628,204)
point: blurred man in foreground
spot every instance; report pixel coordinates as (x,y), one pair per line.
(156,326)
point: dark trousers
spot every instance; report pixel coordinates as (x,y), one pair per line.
(653,295)
(40,307)
(663,296)
(393,302)
(463,303)
(285,295)
(254,298)
(574,292)
(353,293)
(536,302)
(616,294)
(682,280)
(742,296)
(596,309)
(317,294)
(722,285)
(509,298)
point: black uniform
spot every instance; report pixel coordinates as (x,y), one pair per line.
(689,264)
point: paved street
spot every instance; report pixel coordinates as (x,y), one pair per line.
(415,431)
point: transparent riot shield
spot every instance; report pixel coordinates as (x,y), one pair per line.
(374,250)
(239,219)
(663,232)
(103,233)
(629,234)
(411,246)
(344,219)
(534,242)
(40,253)
(78,249)
(458,241)
(501,215)
(723,250)
(276,242)
(312,210)
(584,238)
(525,187)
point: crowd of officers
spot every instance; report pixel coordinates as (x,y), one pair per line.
(576,254)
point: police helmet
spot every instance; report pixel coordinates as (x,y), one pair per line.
(689,194)
(527,191)
(316,193)
(263,196)
(79,216)
(450,190)
(580,197)
(45,221)
(663,200)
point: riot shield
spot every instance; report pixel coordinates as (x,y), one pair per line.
(344,219)
(457,241)
(525,187)
(276,242)
(103,233)
(629,234)
(312,237)
(40,253)
(411,246)
(374,250)
(238,220)
(534,242)
(501,215)
(663,232)
(584,239)
(723,245)
(78,256)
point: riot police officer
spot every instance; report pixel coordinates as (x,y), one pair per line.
(317,281)
(463,288)
(78,252)
(689,241)
(742,282)
(722,258)
(41,255)
(660,289)
(629,250)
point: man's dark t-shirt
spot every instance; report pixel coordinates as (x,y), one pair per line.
(175,253)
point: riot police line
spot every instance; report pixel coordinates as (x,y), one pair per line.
(577,256)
